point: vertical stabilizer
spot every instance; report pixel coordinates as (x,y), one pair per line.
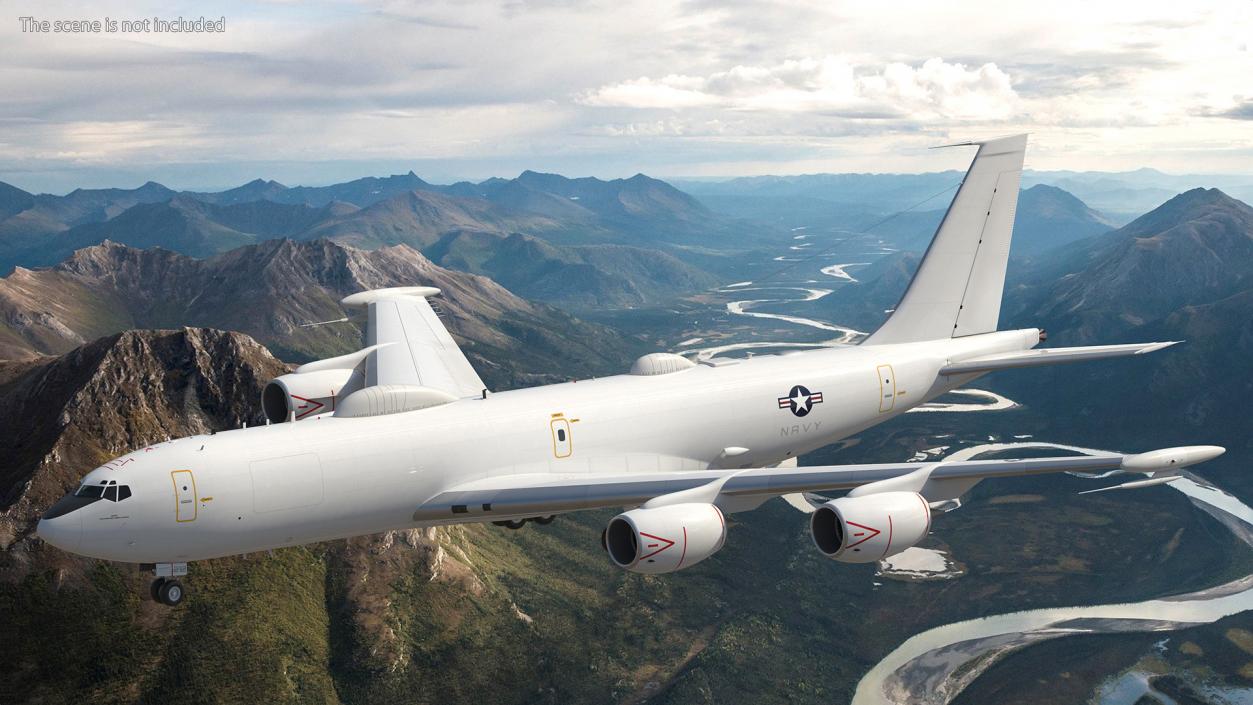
(957,288)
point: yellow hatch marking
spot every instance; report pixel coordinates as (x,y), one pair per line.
(566,445)
(887,388)
(177,505)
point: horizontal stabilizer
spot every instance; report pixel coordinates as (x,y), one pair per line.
(1049,356)
(365,298)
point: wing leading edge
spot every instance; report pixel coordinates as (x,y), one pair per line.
(517,495)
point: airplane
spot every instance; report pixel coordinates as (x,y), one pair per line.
(404,434)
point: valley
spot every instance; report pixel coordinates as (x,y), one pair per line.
(443,615)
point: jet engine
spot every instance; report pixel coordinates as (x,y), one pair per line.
(302,395)
(871,527)
(665,539)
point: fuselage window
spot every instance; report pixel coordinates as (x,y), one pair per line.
(561,435)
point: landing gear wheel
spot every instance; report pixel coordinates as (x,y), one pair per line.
(170,592)
(155,589)
(515,524)
(544,521)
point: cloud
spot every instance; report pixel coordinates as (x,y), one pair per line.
(1242,110)
(610,88)
(831,85)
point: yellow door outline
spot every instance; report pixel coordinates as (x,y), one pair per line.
(563,439)
(184,503)
(887,388)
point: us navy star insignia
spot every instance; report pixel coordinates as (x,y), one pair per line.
(800,401)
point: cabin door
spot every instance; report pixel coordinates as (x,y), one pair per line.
(184,495)
(887,388)
(563,443)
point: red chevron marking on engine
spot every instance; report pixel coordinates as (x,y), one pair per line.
(668,543)
(873,533)
(316,405)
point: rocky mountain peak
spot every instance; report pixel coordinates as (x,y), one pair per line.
(60,417)
(1188,206)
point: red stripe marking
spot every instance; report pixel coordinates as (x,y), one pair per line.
(723,521)
(684,554)
(889,546)
(926,508)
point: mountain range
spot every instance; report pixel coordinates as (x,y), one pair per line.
(448,615)
(579,243)
(107,288)
(1119,195)
(899,208)
(1183,271)
(585,241)
(1047,218)
(474,613)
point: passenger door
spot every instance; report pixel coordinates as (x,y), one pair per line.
(887,388)
(185,506)
(563,441)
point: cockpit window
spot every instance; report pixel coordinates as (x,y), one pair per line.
(107,489)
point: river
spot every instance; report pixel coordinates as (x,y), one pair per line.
(931,668)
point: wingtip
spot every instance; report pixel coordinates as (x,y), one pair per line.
(1154,347)
(1170,458)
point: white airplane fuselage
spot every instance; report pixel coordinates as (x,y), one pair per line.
(328,477)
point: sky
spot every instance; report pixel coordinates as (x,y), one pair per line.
(313,93)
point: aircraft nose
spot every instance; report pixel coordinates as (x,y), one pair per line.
(64,531)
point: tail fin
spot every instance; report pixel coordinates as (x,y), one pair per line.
(957,288)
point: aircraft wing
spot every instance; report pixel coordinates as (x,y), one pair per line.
(1050,356)
(409,345)
(540,494)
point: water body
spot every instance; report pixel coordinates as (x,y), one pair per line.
(790,293)
(839,270)
(991,402)
(931,668)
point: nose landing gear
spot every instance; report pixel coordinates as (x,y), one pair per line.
(165,589)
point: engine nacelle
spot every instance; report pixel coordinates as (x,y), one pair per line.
(302,395)
(871,527)
(665,539)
